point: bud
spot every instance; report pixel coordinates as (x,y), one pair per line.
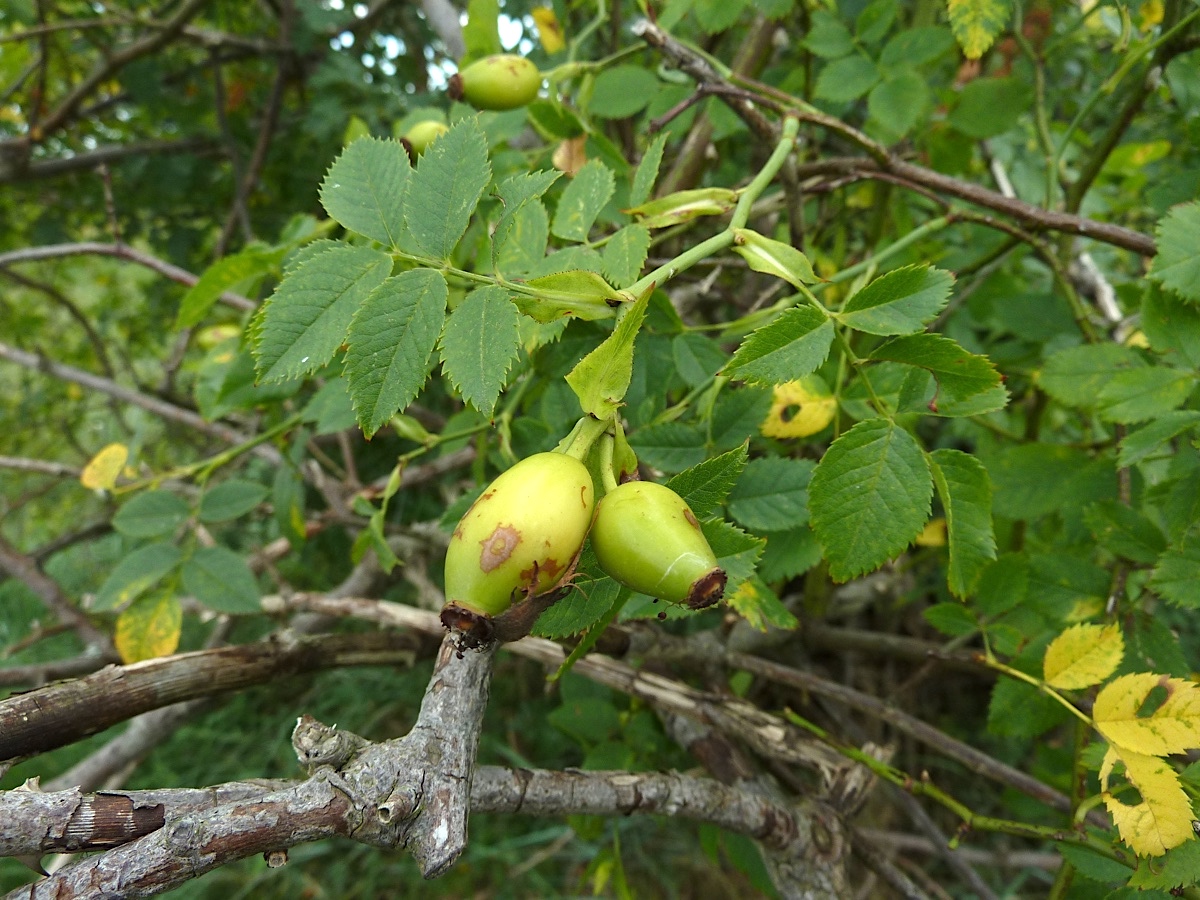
(497,82)
(647,538)
(520,538)
(683,206)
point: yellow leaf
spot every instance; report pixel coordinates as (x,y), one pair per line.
(570,155)
(1083,655)
(1164,817)
(800,408)
(933,534)
(1174,727)
(102,470)
(976,23)
(149,628)
(550,32)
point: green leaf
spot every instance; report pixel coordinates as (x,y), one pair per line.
(737,552)
(1179,867)
(951,619)
(305,320)
(1177,575)
(697,358)
(789,348)
(875,20)
(231,499)
(1141,394)
(1074,376)
(846,79)
(828,38)
(578,293)
(902,301)
(899,102)
(1124,531)
(869,497)
(772,494)
(625,254)
(1149,439)
(788,554)
(916,46)
(760,607)
(1177,265)
(481,340)
(481,33)
(220,579)
(220,277)
(287,497)
(151,514)
(717,15)
(445,188)
(515,193)
(991,106)
(1032,480)
(392,337)
(670,446)
(960,375)
(586,605)
(364,190)
(1172,326)
(623,90)
(331,408)
(704,486)
(977,22)
(582,200)
(647,171)
(601,378)
(522,247)
(137,573)
(773,257)
(1094,866)
(966,494)
(738,414)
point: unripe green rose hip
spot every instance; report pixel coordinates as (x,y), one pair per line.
(423,134)
(497,82)
(521,537)
(647,538)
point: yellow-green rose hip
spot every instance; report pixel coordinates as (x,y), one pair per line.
(424,133)
(521,537)
(647,538)
(499,82)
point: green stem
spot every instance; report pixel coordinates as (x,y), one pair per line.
(607,476)
(585,433)
(1041,686)
(752,191)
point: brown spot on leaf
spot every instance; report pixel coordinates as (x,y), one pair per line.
(498,547)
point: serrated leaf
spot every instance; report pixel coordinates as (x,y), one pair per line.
(364,190)
(601,378)
(976,23)
(622,90)
(647,171)
(220,277)
(1164,817)
(1172,727)
(582,200)
(846,79)
(901,301)
(773,257)
(1179,868)
(515,224)
(899,102)
(705,486)
(869,497)
(481,340)
(305,320)
(683,206)
(151,514)
(966,494)
(1177,265)
(1124,531)
(103,469)
(445,188)
(960,375)
(1177,575)
(1082,656)
(220,579)
(670,446)
(577,293)
(787,349)
(1074,376)
(1172,325)
(800,408)
(737,552)
(149,628)
(772,494)
(231,499)
(625,254)
(1141,394)
(521,250)
(758,605)
(137,573)
(951,619)
(593,596)
(788,554)
(392,337)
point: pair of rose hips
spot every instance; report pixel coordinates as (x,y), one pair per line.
(521,539)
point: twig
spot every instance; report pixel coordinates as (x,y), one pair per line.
(443,19)
(40,466)
(25,569)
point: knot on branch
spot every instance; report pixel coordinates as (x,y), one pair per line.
(317,744)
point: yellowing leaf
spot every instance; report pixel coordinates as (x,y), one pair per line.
(800,408)
(550,32)
(102,470)
(1083,655)
(976,23)
(933,534)
(149,628)
(1174,727)
(1164,817)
